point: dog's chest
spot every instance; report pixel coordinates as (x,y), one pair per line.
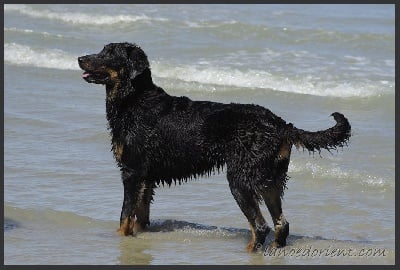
(130,140)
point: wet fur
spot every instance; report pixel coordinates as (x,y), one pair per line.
(162,139)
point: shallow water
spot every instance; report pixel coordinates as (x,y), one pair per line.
(62,192)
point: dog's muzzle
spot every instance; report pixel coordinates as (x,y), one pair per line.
(91,74)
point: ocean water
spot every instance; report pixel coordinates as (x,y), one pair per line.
(62,189)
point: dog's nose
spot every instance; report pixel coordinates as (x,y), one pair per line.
(82,61)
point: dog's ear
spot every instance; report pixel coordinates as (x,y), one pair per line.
(137,60)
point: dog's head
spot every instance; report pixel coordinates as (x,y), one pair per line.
(116,63)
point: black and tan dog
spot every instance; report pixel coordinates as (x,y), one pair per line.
(158,138)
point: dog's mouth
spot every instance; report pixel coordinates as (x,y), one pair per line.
(95,77)
(93,71)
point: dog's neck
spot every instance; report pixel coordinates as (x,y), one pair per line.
(143,82)
(121,97)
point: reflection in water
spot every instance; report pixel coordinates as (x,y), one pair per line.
(133,251)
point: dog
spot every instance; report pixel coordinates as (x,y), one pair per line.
(158,139)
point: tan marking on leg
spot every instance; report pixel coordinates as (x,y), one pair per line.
(127,227)
(281,232)
(250,246)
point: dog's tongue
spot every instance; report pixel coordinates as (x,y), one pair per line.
(86,74)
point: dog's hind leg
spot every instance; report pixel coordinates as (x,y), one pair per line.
(272,198)
(250,208)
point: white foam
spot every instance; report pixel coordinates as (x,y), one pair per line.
(24,55)
(30,31)
(262,79)
(208,24)
(79,18)
(202,73)
(357,59)
(334,172)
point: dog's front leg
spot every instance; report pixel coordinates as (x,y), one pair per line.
(132,185)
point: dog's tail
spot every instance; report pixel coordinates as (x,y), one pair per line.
(331,138)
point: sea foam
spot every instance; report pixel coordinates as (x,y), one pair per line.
(18,54)
(77,17)
(219,78)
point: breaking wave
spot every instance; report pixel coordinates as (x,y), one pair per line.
(219,79)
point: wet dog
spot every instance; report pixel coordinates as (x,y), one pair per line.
(158,139)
